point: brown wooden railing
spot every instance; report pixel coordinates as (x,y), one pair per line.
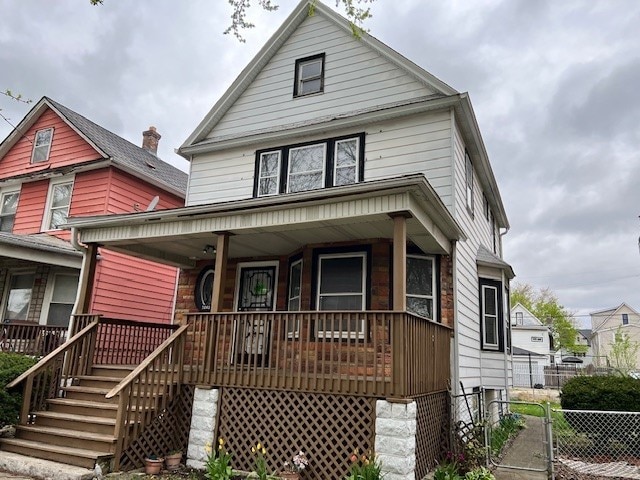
(147,390)
(381,353)
(29,338)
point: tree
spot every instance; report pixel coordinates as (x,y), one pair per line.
(544,304)
(623,355)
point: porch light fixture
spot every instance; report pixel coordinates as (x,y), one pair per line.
(209,250)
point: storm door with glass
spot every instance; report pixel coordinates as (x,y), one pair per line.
(256,293)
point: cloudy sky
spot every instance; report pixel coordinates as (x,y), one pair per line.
(554,86)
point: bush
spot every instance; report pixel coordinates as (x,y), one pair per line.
(12,365)
(607,393)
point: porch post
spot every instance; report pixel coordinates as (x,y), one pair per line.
(222,252)
(400,262)
(87,278)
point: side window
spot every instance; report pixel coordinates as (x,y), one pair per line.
(8,208)
(62,299)
(42,145)
(269,174)
(309,75)
(491,321)
(295,290)
(421,286)
(58,203)
(346,162)
(19,297)
(468,171)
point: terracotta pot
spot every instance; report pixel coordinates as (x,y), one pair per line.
(172,461)
(289,475)
(153,466)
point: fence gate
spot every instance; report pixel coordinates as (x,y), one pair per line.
(518,436)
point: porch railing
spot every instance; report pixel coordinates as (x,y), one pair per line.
(30,338)
(373,353)
(147,390)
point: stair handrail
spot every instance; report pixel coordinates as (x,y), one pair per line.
(43,362)
(147,391)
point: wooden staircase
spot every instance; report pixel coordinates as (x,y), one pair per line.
(78,428)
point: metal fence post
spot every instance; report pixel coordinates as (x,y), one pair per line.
(549,435)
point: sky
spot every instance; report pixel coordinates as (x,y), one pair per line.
(554,85)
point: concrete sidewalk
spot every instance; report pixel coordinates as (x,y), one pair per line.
(528,450)
(28,468)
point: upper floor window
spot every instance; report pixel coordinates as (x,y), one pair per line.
(310,166)
(58,203)
(625,319)
(8,208)
(421,286)
(491,324)
(42,145)
(309,77)
(468,172)
(485,206)
(519,318)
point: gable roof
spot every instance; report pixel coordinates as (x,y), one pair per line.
(528,320)
(606,314)
(122,153)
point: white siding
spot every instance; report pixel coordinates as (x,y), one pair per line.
(356,77)
(417,144)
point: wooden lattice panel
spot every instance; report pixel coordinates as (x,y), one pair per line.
(327,427)
(169,431)
(432,430)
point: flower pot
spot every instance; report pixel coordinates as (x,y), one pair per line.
(173,460)
(289,475)
(153,466)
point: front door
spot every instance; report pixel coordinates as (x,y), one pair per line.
(256,293)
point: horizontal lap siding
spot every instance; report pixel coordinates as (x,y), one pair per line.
(128,194)
(67,148)
(131,288)
(33,196)
(355,78)
(90,193)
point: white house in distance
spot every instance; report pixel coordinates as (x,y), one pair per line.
(532,347)
(605,324)
(343,235)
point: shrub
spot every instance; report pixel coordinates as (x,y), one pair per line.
(608,393)
(12,365)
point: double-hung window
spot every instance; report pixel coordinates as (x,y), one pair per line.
(310,166)
(295,291)
(8,208)
(468,172)
(491,324)
(63,297)
(42,145)
(58,204)
(309,77)
(342,286)
(421,286)
(19,296)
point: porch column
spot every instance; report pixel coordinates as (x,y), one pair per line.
(87,278)
(400,261)
(222,252)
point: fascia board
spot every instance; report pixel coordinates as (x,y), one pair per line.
(48,257)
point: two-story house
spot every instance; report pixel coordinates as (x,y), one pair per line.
(532,347)
(55,164)
(341,262)
(605,324)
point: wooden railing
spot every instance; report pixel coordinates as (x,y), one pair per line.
(381,353)
(147,390)
(30,338)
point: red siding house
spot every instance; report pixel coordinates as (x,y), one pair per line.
(58,164)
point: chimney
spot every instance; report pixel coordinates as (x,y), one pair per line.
(150,140)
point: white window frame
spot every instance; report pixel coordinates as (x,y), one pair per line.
(324,167)
(260,176)
(468,174)
(5,295)
(295,332)
(434,296)
(46,218)
(3,194)
(485,317)
(519,318)
(41,147)
(48,292)
(356,163)
(339,334)
(301,80)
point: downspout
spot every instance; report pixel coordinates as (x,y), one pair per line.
(455,364)
(508,304)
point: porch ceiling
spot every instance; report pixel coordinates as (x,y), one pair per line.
(278,227)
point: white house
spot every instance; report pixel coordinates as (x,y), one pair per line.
(532,347)
(342,247)
(605,324)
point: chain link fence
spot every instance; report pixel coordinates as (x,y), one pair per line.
(596,436)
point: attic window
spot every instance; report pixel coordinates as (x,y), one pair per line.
(309,76)
(42,145)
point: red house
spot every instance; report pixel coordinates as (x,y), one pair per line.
(56,164)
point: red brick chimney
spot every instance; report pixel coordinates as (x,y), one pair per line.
(150,140)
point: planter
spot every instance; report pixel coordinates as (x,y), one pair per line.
(153,466)
(289,475)
(173,460)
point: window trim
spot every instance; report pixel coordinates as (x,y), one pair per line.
(295,332)
(497,286)
(297,83)
(324,167)
(3,194)
(519,318)
(434,285)
(278,174)
(35,138)
(357,162)
(625,319)
(50,289)
(468,174)
(7,291)
(47,217)
(328,164)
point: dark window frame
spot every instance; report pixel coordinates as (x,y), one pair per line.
(468,181)
(500,327)
(329,163)
(625,319)
(296,82)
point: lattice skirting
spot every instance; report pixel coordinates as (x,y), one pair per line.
(169,431)
(432,430)
(327,427)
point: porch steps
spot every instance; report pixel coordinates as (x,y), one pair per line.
(78,429)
